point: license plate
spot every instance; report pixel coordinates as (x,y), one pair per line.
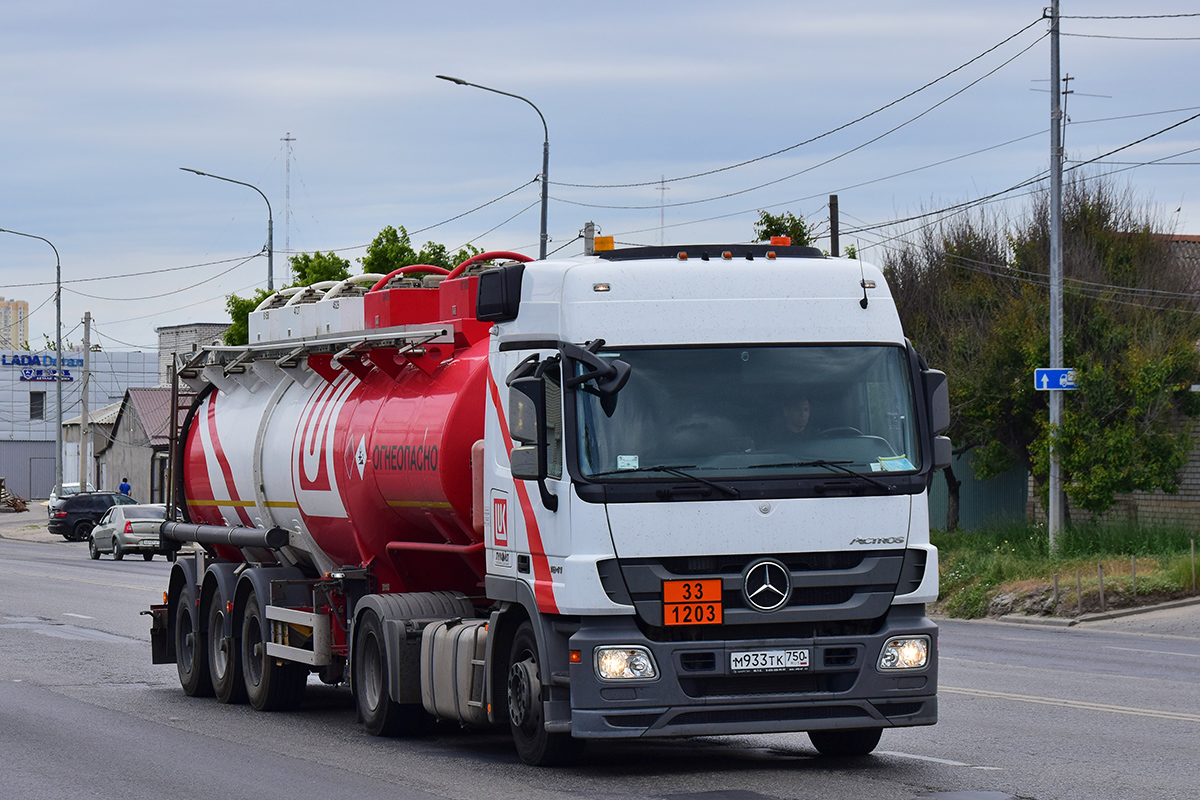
(793,659)
(149,542)
(692,602)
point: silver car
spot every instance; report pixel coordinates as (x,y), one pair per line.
(128,529)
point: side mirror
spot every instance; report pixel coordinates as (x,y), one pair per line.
(527,425)
(937,394)
(943,452)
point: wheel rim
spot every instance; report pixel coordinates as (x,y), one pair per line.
(253,652)
(372,672)
(521,691)
(217,644)
(187,639)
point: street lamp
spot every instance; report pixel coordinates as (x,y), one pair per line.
(545,151)
(270,223)
(58,466)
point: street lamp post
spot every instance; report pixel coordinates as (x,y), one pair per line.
(58,465)
(270,223)
(545,151)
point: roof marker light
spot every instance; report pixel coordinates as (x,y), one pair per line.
(771,255)
(682,256)
(781,241)
(603,243)
(601,287)
(727,255)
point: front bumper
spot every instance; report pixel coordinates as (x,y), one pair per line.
(697,694)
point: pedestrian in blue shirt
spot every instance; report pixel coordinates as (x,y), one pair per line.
(125,488)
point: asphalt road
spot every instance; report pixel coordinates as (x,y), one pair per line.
(1106,710)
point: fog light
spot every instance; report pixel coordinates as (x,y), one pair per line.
(905,652)
(625,663)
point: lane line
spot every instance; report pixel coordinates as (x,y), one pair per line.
(80,616)
(76,579)
(1054,701)
(930,759)
(1144,650)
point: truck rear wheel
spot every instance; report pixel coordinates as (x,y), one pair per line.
(190,658)
(271,684)
(843,744)
(224,655)
(523,697)
(381,715)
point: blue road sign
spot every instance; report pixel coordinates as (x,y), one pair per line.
(1051,380)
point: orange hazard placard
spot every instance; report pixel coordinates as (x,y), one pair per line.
(692,602)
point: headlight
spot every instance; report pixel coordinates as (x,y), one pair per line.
(625,663)
(904,652)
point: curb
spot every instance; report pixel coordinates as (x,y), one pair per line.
(1061,622)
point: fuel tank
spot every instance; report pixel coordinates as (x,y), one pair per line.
(363,451)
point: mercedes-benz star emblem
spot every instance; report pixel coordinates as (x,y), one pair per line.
(767,585)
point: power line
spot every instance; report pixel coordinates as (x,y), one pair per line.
(1127,16)
(806,141)
(133,274)
(166,294)
(1135,38)
(822,163)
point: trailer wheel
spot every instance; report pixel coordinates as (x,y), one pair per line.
(224,655)
(271,685)
(381,715)
(843,744)
(523,696)
(190,658)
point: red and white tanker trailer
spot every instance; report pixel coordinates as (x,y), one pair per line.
(639,493)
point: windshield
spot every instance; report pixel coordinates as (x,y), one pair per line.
(752,412)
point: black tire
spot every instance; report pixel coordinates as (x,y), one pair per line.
(92,550)
(147,556)
(224,655)
(523,701)
(271,685)
(381,715)
(118,553)
(81,531)
(845,744)
(190,657)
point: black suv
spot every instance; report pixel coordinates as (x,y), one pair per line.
(74,517)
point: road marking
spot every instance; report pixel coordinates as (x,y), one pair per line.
(945,761)
(1054,701)
(1144,650)
(77,616)
(77,579)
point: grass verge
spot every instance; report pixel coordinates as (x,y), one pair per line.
(1009,568)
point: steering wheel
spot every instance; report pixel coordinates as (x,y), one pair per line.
(843,431)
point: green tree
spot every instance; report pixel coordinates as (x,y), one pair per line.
(309,269)
(393,249)
(239,309)
(784,224)
(973,297)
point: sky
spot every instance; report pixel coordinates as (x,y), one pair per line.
(652,109)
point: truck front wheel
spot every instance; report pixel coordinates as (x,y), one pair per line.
(381,715)
(523,696)
(843,744)
(224,655)
(190,658)
(271,684)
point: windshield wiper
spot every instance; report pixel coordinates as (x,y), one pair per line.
(839,466)
(680,470)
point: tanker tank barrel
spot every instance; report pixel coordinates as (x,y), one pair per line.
(272,538)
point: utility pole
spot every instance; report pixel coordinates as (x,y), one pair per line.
(662,212)
(287,194)
(1055,510)
(85,431)
(834,249)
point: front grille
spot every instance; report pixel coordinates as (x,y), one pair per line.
(734,715)
(835,588)
(747,685)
